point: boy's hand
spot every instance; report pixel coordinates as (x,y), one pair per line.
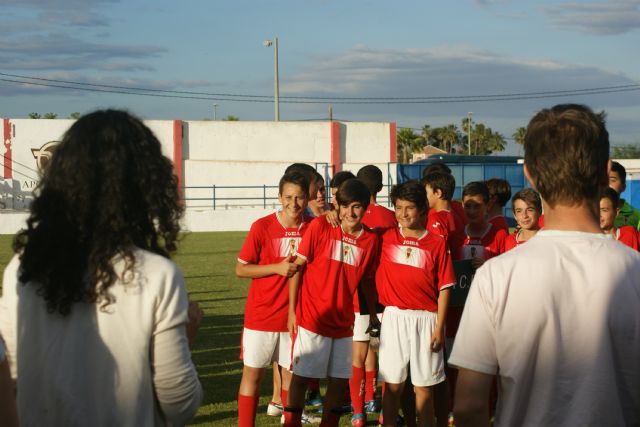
(437,340)
(476,262)
(332,218)
(195,314)
(286,268)
(374,326)
(291,325)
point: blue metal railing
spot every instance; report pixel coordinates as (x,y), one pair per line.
(263,195)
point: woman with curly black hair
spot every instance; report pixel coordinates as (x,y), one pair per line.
(95,316)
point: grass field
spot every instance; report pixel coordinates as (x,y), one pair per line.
(207,261)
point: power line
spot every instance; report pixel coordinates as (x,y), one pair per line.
(64,84)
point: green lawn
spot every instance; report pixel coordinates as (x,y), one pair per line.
(207,261)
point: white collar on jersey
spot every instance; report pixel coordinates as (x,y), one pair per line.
(419,238)
(283,226)
(484,233)
(354,235)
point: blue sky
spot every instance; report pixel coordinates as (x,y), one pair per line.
(328,48)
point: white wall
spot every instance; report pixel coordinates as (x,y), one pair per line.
(366,143)
(216,152)
(286,142)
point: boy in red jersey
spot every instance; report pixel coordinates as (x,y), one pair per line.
(337,261)
(609,202)
(456,205)
(362,384)
(499,195)
(318,202)
(527,208)
(481,237)
(412,279)
(441,220)
(335,183)
(266,258)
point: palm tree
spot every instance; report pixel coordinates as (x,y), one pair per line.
(428,133)
(409,142)
(518,135)
(450,136)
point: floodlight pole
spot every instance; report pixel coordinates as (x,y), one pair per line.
(276,77)
(469,131)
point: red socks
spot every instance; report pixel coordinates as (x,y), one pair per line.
(371,378)
(292,417)
(247,407)
(356,387)
(284,395)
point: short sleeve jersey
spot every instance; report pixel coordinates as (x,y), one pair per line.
(448,225)
(511,241)
(499,222)
(485,246)
(377,216)
(336,263)
(628,235)
(269,242)
(458,210)
(413,270)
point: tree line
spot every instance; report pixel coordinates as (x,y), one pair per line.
(454,140)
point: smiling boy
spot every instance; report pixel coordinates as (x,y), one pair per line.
(413,281)
(337,261)
(267,259)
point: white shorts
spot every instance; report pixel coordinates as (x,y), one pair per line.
(317,356)
(261,348)
(360,327)
(405,339)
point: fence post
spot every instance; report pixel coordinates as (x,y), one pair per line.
(214,197)
(264,196)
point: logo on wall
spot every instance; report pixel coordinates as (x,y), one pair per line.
(43,154)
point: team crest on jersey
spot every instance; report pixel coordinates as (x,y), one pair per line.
(473,251)
(408,255)
(287,246)
(346,252)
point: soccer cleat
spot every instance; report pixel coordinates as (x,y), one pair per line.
(274,409)
(313,398)
(450,421)
(399,420)
(358,420)
(308,418)
(371,406)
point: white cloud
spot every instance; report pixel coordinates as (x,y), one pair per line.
(603,18)
(447,71)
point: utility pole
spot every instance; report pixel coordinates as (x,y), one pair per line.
(469,131)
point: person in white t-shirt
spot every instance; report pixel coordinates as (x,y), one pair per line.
(96,317)
(558,319)
(8,412)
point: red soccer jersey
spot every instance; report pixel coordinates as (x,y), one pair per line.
(336,263)
(458,209)
(485,246)
(413,270)
(268,242)
(628,235)
(377,216)
(511,241)
(500,223)
(448,225)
